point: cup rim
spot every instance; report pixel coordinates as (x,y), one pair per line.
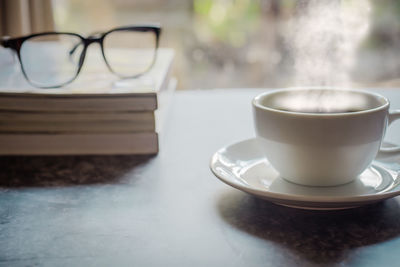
(256,102)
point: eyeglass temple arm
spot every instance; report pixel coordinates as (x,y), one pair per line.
(72,51)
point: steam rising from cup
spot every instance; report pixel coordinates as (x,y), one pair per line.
(321,101)
(324,37)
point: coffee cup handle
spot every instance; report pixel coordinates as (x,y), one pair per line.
(393,115)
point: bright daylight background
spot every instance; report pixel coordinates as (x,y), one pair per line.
(250,43)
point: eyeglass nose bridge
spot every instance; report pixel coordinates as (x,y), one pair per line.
(93,39)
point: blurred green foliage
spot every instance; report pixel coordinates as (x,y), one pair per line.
(229,21)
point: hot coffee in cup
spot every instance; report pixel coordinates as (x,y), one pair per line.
(321,137)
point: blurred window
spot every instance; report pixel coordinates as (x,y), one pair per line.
(255,43)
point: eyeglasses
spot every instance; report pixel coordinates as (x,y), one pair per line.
(54,59)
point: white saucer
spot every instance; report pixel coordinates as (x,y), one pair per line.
(244,167)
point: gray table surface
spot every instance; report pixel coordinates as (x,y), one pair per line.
(170,210)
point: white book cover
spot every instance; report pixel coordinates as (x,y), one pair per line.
(96,88)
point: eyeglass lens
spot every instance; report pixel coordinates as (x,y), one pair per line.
(46,59)
(129,53)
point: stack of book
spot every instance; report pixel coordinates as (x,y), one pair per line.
(97,114)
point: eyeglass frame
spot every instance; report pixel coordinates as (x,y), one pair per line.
(16,44)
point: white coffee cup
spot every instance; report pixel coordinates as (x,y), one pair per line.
(321,136)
